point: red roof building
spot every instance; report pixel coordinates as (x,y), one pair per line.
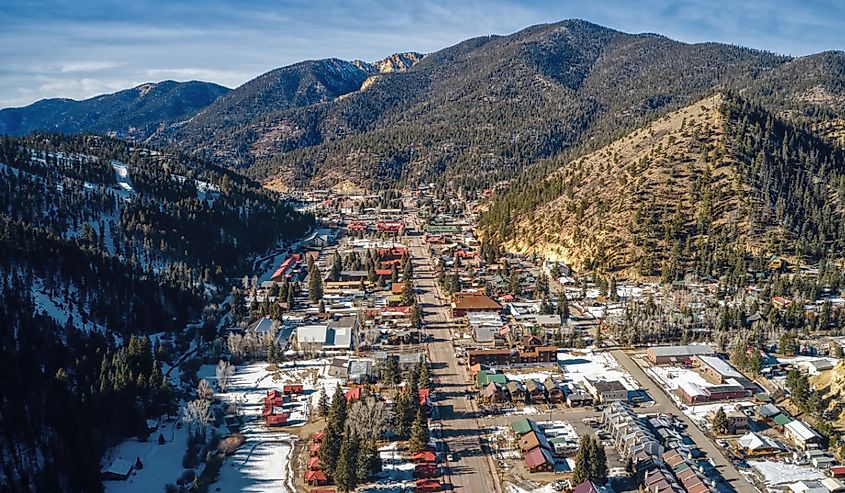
(426,471)
(390,226)
(314,449)
(314,464)
(318,436)
(353,395)
(287,265)
(427,486)
(274,398)
(293,388)
(424,457)
(315,478)
(539,459)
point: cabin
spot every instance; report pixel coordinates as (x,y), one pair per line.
(536,391)
(118,470)
(517,391)
(316,478)
(293,388)
(314,464)
(493,393)
(554,391)
(539,459)
(274,398)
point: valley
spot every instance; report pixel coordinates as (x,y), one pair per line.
(568,258)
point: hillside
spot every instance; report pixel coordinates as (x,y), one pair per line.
(685,193)
(101,244)
(488,108)
(133,113)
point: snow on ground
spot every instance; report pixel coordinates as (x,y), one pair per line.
(579,365)
(671,377)
(779,473)
(60,308)
(162,463)
(540,376)
(512,488)
(262,464)
(397,472)
(122,172)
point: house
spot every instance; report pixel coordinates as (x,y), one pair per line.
(531,342)
(833,485)
(517,391)
(607,390)
(539,459)
(586,487)
(118,470)
(524,426)
(533,439)
(317,437)
(360,371)
(801,434)
(315,478)
(493,393)
(808,487)
(755,444)
(554,391)
(576,396)
(263,325)
(536,391)
(669,355)
(485,377)
(353,395)
(836,472)
(274,416)
(427,486)
(484,335)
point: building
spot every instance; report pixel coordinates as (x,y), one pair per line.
(669,355)
(464,303)
(800,433)
(533,439)
(755,444)
(693,393)
(336,335)
(493,393)
(716,370)
(517,391)
(507,357)
(607,390)
(539,459)
(554,391)
(118,470)
(536,391)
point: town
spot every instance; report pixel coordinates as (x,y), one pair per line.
(393,349)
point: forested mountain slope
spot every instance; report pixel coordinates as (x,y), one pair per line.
(100,243)
(489,107)
(132,113)
(695,191)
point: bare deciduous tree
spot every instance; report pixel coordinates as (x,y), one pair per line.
(196,412)
(224,371)
(204,390)
(369,418)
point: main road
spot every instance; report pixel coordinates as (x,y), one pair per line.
(472,470)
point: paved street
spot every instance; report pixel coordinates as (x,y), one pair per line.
(473,471)
(666,404)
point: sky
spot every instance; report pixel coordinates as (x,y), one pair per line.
(82,48)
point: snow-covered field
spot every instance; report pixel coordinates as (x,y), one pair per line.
(779,473)
(262,463)
(397,472)
(580,365)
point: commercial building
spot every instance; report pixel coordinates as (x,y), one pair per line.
(668,355)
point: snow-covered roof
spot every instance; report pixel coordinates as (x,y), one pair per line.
(119,466)
(720,366)
(691,389)
(754,441)
(801,430)
(312,333)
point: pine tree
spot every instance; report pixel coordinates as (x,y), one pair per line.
(369,461)
(346,470)
(425,376)
(598,464)
(323,405)
(315,283)
(419,433)
(720,421)
(408,297)
(581,472)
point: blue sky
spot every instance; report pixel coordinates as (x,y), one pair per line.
(80,48)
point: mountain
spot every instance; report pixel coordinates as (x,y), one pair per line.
(692,192)
(490,107)
(110,257)
(398,62)
(133,113)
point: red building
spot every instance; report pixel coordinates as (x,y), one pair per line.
(426,471)
(284,269)
(315,478)
(473,303)
(390,227)
(427,486)
(293,388)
